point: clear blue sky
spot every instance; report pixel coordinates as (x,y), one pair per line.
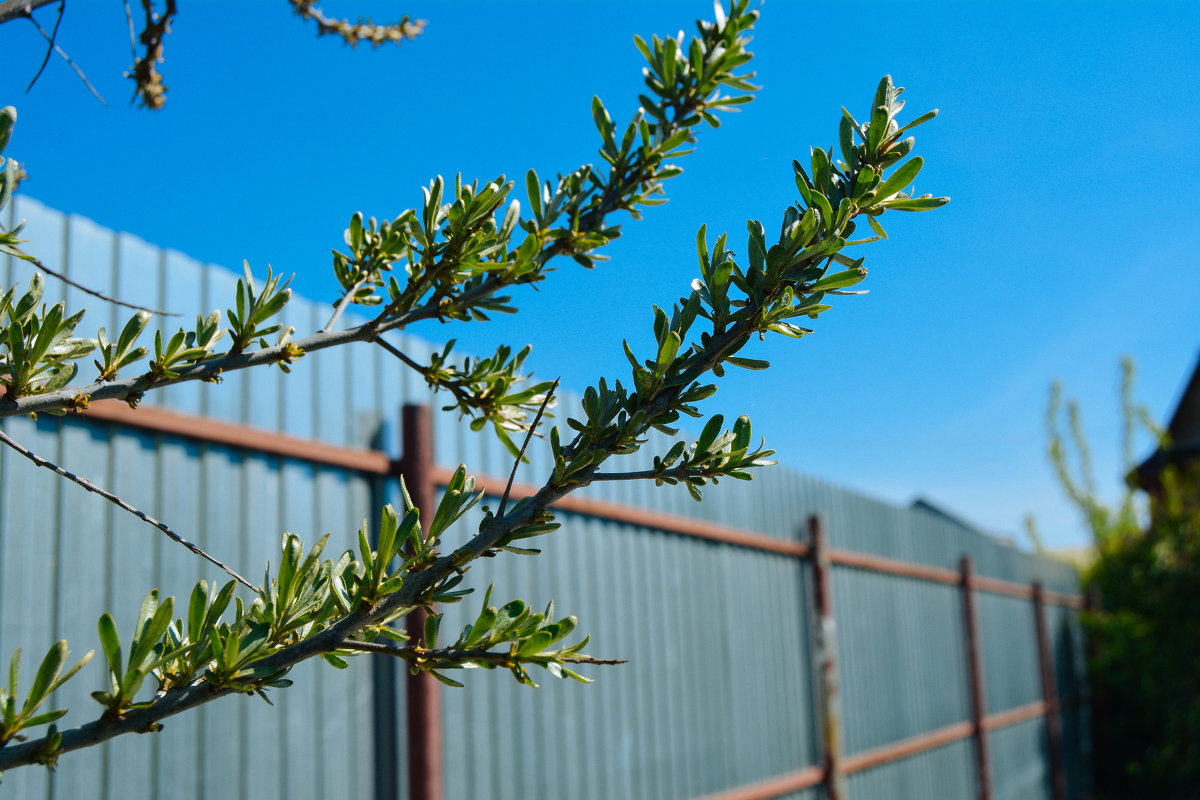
(1065,141)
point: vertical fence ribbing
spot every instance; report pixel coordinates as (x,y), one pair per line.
(983,760)
(827,669)
(1058,778)
(384,699)
(423,709)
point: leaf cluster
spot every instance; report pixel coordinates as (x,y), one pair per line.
(530,637)
(777,283)
(450,259)
(38,347)
(493,389)
(48,678)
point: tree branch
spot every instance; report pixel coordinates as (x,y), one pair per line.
(56,274)
(524,445)
(501,658)
(15,9)
(61,54)
(363,31)
(62,6)
(119,503)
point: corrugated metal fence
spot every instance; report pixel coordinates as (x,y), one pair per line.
(713,604)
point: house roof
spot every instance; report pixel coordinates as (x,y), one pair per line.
(1183,430)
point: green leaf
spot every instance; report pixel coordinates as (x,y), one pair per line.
(668,350)
(8,118)
(197,605)
(928,115)
(905,174)
(43,682)
(111,644)
(875,226)
(14,673)
(917,203)
(747,363)
(839,280)
(534,188)
(42,719)
(445,680)
(707,436)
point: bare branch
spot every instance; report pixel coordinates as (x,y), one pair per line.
(56,274)
(62,6)
(362,31)
(150,87)
(524,445)
(112,498)
(132,34)
(344,303)
(61,54)
(501,658)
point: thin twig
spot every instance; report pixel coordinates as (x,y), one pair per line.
(363,30)
(132,35)
(525,444)
(112,498)
(150,87)
(63,55)
(649,473)
(93,292)
(343,304)
(398,353)
(62,6)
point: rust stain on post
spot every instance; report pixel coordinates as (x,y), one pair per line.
(826,652)
(983,759)
(424,706)
(1049,695)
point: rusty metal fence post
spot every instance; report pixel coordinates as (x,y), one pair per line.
(1058,779)
(423,706)
(826,658)
(983,756)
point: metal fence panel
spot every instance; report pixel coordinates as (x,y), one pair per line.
(718,692)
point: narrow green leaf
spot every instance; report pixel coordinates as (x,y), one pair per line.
(709,434)
(52,664)
(747,363)
(917,203)
(533,188)
(901,178)
(839,280)
(335,661)
(668,350)
(111,644)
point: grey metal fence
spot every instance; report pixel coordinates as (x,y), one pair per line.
(713,604)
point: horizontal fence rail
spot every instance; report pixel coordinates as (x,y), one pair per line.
(373,462)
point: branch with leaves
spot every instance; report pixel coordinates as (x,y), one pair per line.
(149,89)
(456,253)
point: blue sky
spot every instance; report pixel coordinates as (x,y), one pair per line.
(1064,143)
